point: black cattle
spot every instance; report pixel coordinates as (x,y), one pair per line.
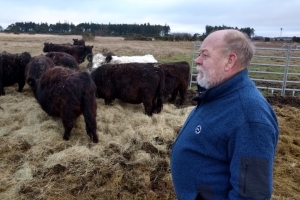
(67,93)
(132,83)
(78,42)
(79,52)
(63,59)
(35,69)
(12,70)
(177,80)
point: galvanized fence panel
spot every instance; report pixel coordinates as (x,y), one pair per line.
(272,69)
(195,54)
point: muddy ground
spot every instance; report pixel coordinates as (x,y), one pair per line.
(274,100)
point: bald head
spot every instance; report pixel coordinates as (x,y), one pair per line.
(223,54)
(233,41)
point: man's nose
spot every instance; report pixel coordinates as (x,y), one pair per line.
(197,60)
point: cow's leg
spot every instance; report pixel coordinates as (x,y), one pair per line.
(67,121)
(183,94)
(21,84)
(2,90)
(1,85)
(149,106)
(89,113)
(173,95)
(108,101)
(91,127)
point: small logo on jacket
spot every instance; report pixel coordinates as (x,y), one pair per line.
(198,129)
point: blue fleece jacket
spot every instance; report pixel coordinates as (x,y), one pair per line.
(226,147)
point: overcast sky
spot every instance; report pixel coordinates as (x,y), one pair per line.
(266,17)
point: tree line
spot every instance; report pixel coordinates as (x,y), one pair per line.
(208,29)
(129,31)
(296,39)
(97,29)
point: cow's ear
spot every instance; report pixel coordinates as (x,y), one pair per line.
(108,58)
(30,81)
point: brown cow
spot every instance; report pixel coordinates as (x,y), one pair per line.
(132,83)
(177,80)
(79,52)
(67,93)
(12,70)
(63,59)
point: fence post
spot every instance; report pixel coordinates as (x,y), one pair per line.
(196,44)
(286,69)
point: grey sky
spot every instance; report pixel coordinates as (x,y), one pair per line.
(183,16)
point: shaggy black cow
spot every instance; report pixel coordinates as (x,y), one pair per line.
(67,93)
(12,70)
(177,80)
(63,59)
(35,69)
(78,42)
(79,52)
(132,83)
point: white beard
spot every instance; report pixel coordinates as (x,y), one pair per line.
(202,78)
(205,79)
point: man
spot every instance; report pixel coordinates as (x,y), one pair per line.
(226,147)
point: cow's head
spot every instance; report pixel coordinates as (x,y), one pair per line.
(35,69)
(23,59)
(99,59)
(75,41)
(46,47)
(88,49)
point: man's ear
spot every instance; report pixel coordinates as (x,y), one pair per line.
(231,61)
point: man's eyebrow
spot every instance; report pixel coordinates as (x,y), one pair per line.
(203,50)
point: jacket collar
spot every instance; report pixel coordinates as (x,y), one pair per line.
(239,80)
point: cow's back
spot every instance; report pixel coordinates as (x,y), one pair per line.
(177,76)
(54,90)
(63,59)
(79,52)
(127,82)
(13,68)
(68,93)
(176,70)
(130,82)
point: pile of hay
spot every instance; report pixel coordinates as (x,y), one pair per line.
(131,160)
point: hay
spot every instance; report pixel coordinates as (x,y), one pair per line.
(37,162)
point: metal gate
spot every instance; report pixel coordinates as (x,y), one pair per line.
(272,69)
